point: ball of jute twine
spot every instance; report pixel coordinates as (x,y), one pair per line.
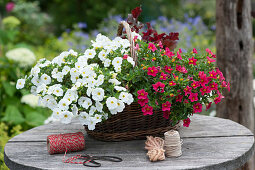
(155,145)
(172,143)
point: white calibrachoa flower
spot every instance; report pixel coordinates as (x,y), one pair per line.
(66,117)
(20,83)
(111,103)
(83,85)
(98,94)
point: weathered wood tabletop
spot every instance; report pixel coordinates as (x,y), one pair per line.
(209,143)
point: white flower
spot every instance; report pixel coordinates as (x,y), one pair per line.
(114,81)
(89,91)
(74,72)
(71,95)
(91,123)
(98,118)
(124,97)
(79,65)
(117,61)
(119,88)
(131,61)
(98,94)
(84,118)
(111,103)
(41,88)
(120,106)
(74,78)
(100,80)
(102,55)
(92,110)
(99,106)
(130,99)
(58,91)
(46,99)
(45,79)
(66,117)
(85,71)
(20,83)
(91,82)
(35,70)
(105,115)
(74,110)
(59,77)
(65,70)
(33,90)
(107,62)
(133,34)
(63,104)
(23,56)
(90,53)
(117,69)
(36,81)
(52,104)
(85,102)
(83,59)
(30,99)
(72,52)
(56,113)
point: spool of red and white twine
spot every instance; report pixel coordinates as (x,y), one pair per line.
(62,143)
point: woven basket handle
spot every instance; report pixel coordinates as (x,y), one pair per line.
(124,24)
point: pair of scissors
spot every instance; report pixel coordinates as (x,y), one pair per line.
(90,160)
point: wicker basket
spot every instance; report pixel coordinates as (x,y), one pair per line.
(131,123)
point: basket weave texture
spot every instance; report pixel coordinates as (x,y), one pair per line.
(131,124)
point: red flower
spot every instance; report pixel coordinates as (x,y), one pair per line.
(136,12)
(205,89)
(213,86)
(193,97)
(159,87)
(136,47)
(163,76)
(166,106)
(179,55)
(186,101)
(180,50)
(152,47)
(181,69)
(220,74)
(168,69)
(179,98)
(186,122)
(125,56)
(172,83)
(210,60)
(147,110)
(142,94)
(213,74)
(166,114)
(209,51)
(197,108)
(195,84)
(187,90)
(218,99)
(194,51)
(192,61)
(152,71)
(169,53)
(160,44)
(142,102)
(9,6)
(203,79)
(208,106)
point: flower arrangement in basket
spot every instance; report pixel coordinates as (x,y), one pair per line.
(125,89)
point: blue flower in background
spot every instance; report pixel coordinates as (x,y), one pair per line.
(68,30)
(82,25)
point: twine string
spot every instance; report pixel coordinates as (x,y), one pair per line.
(155,148)
(173,144)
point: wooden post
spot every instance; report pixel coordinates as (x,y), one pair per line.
(234,46)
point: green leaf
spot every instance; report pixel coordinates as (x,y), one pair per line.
(34,118)
(12,115)
(9,88)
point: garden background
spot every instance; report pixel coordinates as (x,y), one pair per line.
(34,29)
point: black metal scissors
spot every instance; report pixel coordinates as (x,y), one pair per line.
(90,160)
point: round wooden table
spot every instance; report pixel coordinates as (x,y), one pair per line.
(209,143)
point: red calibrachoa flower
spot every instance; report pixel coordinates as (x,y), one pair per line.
(168,69)
(186,122)
(203,79)
(213,86)
(192,61)
(125,56)
(166,114)
(208,106)
(160,44)
(152,47)
(187,90)
(205,89)
(147,110)
(163,76)
(197,108)
(168,53)
(179,55)
(159,87)
(152,71)
(179,98)
(172,83)
(142,94)
(193,97)
(213,74)
(181,69)
(210,60)
(166,106)
(142,102)
(218,99)
(195,84)
(194,50)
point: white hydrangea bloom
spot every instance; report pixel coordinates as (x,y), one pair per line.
(23,56)
(30,99)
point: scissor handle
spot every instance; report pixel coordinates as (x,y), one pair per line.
(107,158)
(91,163)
